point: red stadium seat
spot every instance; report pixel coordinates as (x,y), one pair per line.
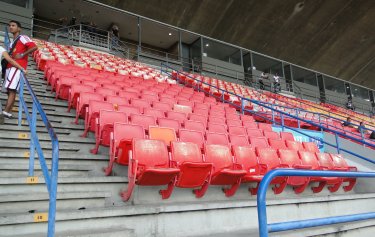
(260,142)
(217,128)
(196,137)
(270,160)
(254,132)
(74,93)
(182,109)
(180,117)
(294,145)
(92,113)
(154,112)
(239,140)
(198,117)
(169,123)
(333,183)
(129,109)
(104,127)
(117,101)
(265,126)
(63,86)
(271,134)
(277,143)
(120,144)
(105,92)
(128,95)
(310,146)
(143,120)
(195,126)
(225,171)
(194,172)
(290,159)
(149,166)
(234,123)
(287,136)
(167,135)
(237,130)
(203,112)
(217,139)
(217,120)
(341,165)
(142,104)
(246,156)
(250,124)
(161,106)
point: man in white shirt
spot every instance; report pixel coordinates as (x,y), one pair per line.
(276,83)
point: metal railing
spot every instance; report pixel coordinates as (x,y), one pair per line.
(282,114)
(265,228)
(50,177)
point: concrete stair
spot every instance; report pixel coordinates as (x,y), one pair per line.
(89,204)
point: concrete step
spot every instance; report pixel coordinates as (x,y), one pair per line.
(39,202)
(73,138)
(92,232)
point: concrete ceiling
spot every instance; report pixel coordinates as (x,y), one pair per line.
(336,37)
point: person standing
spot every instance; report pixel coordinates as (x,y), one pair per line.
(4,55)
(276,83)
(21,47)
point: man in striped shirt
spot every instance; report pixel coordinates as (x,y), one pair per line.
(20,51)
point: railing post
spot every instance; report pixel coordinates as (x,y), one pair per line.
(80,34)
(298,121)
(273,114)
(337,143)
(282,122)
(242,106)
(108,41)
(53,188)
(32,145)
(20,106)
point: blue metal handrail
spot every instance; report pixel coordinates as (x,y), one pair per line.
(265,228)
(242,99)
(50,177)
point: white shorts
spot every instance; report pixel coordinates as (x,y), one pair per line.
(12,78)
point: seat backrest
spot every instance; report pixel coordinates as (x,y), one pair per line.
(140,103)
(254,132)
(202,106)
(150,153)
(78,88)
(167,135)
(217,128)
(180,117)
(325,160)
(196,137)
(96,106)
(110,117)
(237,130)
(271,134)
(149,98)
(195,125)
(268,156)
(186,152)
(154,112)
(338,161)
(287,136)
(260,142)
(309,158)
(219,155)
(289,157)
(169,123)
(234,123)
(161,106)
(216,120)
(265,126)
(143,120)
(128,109)
(182,108)
(250,124)
(68,81)
(310,146)
(277,143)
(247,118)
(239,140)
(85,98)
(129,95)
(217,139)
(246,156)
(294,145)
(117,100)
(105,92)
(93,84)
(198,117)
(199,111)
(127,132)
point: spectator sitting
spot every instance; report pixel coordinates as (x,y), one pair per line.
(361,128)
(348,123)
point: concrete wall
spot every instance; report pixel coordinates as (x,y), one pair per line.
(309,92)
(11,12)
(222,68)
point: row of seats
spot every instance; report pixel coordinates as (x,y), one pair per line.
(150,164)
